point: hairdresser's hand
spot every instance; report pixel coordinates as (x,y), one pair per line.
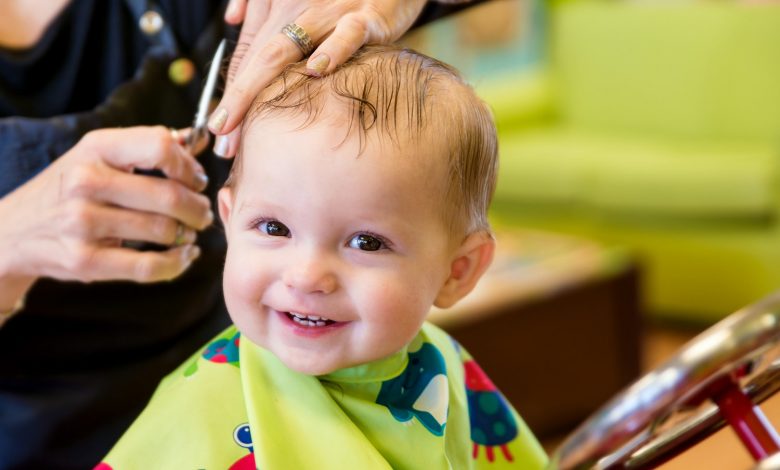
(67,223)
(339,27)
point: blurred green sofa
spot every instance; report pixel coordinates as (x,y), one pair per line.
(657,127)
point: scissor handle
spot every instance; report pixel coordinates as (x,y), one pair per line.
(195,136)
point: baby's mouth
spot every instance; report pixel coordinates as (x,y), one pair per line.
(309,320)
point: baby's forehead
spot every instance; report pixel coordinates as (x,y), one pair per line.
(330,136)
(315,164)
(317,160)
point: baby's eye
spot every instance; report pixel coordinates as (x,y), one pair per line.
(367,242)
(273,228)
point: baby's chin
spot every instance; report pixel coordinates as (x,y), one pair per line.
(310,363)
(317,365)
(309,367)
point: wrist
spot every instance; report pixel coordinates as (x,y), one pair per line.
(13,290)
(18,306)
(16,273)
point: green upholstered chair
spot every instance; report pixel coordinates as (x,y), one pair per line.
(657,127)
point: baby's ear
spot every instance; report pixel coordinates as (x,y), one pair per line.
(471,260)
(225,205)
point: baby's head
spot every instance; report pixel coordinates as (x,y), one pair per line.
(357,202)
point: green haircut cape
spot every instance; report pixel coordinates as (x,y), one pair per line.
(236,406)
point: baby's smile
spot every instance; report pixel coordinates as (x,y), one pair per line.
(309,320)
(308,326)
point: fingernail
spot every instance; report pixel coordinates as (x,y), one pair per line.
(221,146)
(209,218)
(218,119)
(192,252)
(204,180)
(231,9)
(317,65)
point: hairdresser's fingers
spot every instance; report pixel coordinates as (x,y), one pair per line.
(97,222)
(255,18)
(155,195)
(183,136)
(97,263)
(145,227)
(350,34)
(271,50)
(263,51)
(373,23)
(201,144)
(226,146)
(258,70)
(164,196)
(255,21)
(235,12)
(145,148)
(255,34)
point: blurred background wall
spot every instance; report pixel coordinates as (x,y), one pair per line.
(644,124)
(638,191)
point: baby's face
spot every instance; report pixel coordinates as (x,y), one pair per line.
(334,259)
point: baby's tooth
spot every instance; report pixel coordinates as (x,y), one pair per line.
(308,320)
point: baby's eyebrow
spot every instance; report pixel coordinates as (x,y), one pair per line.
(241,207)
(245,205)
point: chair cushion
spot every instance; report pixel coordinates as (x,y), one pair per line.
(690,179)
(671,69)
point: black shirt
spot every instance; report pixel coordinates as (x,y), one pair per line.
(81,360)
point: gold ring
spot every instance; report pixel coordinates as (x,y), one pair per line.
(300,37)
(180,231)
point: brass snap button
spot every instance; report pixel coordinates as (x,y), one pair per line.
(150,23)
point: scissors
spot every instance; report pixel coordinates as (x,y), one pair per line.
(199,129)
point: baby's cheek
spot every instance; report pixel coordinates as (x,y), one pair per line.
(399,307)
(245,279)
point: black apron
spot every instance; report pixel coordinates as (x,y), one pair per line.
(79,363)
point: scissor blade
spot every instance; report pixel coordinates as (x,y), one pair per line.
(208,89)
(199,125)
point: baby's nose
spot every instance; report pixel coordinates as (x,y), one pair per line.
(310,274)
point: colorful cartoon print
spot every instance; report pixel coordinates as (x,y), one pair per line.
(492,423)
(222,351)
(421,391)
(243,438)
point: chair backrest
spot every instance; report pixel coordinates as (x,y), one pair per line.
(692,70)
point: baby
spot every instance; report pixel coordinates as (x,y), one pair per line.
(358,201)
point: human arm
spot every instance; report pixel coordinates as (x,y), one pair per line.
(339,27)
(66,222)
